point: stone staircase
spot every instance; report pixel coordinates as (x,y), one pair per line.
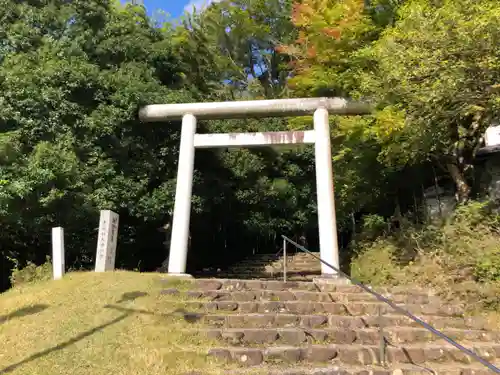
(300,267)
(303,328)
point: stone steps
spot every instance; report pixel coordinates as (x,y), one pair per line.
(293,255)
(279,262)
(290,263)
(264,276)
(242,271)
(300,267)
(275,270)
(295,327)
(356,355)
(292,267)
(270,295)
(276,285)
(365,336)
(239,285)
(436,369)
(332,308)
(253,320)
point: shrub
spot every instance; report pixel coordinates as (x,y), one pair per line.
(487,268)
(31,273)
(460,258)
(373,226)
(376,265)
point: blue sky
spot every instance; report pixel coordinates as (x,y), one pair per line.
(174,7)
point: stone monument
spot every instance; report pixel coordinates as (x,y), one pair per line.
(107,241)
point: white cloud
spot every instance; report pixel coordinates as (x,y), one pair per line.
(198,5)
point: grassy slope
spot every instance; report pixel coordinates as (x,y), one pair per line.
(97,323)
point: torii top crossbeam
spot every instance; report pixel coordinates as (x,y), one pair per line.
(252,108)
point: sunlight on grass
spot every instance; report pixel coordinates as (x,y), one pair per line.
(100,323)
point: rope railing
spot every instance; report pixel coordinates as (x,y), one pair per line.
(399,309)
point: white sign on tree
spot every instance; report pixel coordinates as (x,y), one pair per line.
(107,241)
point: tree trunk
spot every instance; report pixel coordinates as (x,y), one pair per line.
(463,188)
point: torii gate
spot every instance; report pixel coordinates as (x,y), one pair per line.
(320,137)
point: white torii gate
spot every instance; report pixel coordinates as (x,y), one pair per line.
(320,137)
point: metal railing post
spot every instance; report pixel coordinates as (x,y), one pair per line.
(284,260)
(381,338)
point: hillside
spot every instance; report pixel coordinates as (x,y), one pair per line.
(97,323)
(131,323)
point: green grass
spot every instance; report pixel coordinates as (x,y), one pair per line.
(99,323)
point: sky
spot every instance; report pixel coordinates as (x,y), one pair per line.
(174,7)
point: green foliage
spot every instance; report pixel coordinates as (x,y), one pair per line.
(331,57)
(73,76)
(373,226)
(71,140)
(431,70)
(458,258)
(31,273)
(240,39)
(440,64)
(376,265)
(488,268)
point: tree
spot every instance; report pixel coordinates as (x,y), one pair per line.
(237,39)
(439,66)
(426,66)
(331,57)
(229,48)
(72,77)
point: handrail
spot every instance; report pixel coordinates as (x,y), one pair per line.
(399,309)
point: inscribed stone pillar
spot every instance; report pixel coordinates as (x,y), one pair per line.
(107,241)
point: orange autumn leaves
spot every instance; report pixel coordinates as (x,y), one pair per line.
(326,29)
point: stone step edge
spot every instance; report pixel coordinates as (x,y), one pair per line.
(279,254)
(215,306)
(308,292)
(396,369)
(310,284)
(277,263)
(362,337)
(353,354)
(289,258)
(394,329)
(295,272)
(274,270)
(258,271)
(375,348)
(199,293)
(262,277)
(358,302)
(228,280)
(468,322)
(259,276)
